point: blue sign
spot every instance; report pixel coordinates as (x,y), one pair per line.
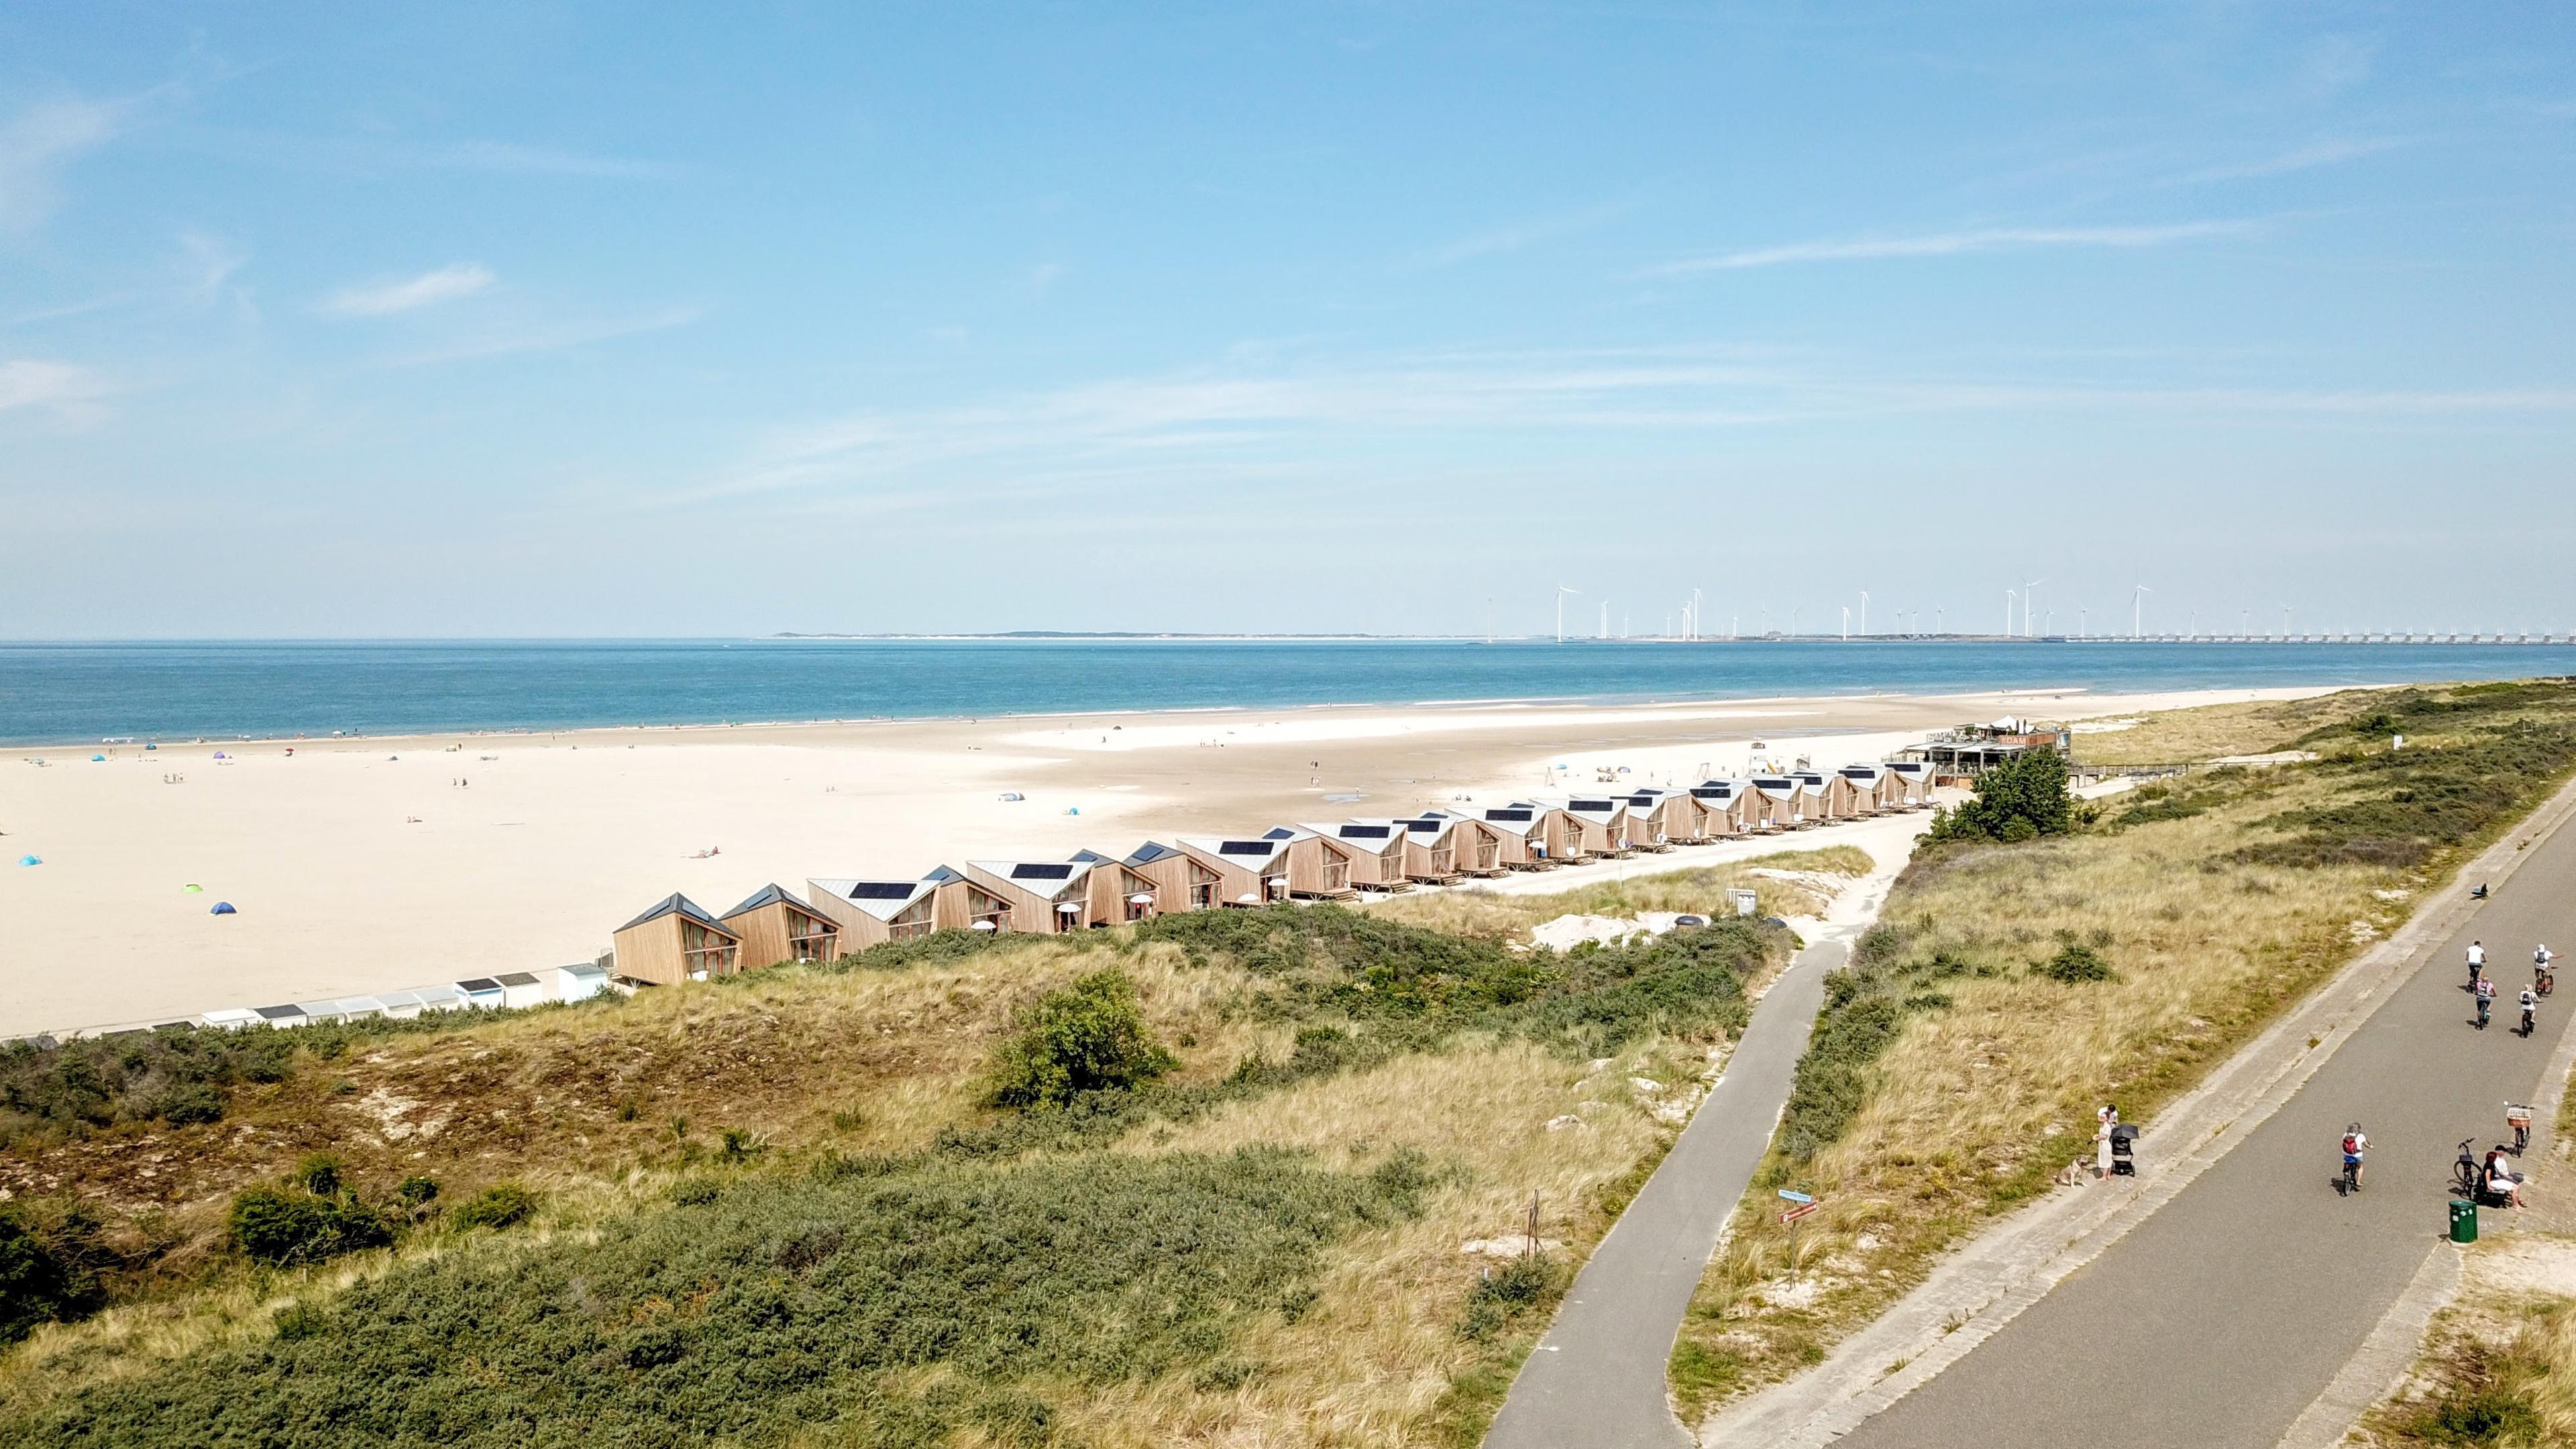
(1795,1196)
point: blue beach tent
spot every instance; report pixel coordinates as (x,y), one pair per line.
(97,759)
(223,908)
(31,860)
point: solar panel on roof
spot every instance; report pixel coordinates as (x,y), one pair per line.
(1367,832)
(1041,872)
(1278,832)
(1588,805)
(1245,847)
(1512,815)
(881,890)
(1431,825)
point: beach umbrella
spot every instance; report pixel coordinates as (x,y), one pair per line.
(219,754)
(31,860)
(1071,810)
(1141,898)
(95,759)
(223,908)
(983,926)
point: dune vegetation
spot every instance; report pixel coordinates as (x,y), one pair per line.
(2010,988)
(1206,1179)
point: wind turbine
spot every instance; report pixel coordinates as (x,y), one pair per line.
(1694,616)
(2029,595)
(1847,623)
(2137,610)
(1864,612)
(1561,592)
(1605,620)
(2009,596)
(2285,623)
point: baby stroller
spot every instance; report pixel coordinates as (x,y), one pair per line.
(2124,1144)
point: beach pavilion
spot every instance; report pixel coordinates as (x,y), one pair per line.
(1114,891)
(1660,819)
(1250,871)
(1520,830)
(1477,847)
(1877,786)
(1726,807)
(777,927)
(1043,896)
(1915,777)
(1319,866)
(675,941)
(1175,879)
(1376,851)
(1603,821)
(1430,847)
(1829,797)
(1779,803)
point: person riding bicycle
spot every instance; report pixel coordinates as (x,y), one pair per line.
(2530,1004)
(2486,999)
(2542,978)
(2355,1143)
(2477,961)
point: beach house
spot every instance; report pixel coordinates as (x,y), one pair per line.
(1556,834)
(1430,847)
(1319,866)
(1476,846)
(872,912)
(1660,819)
(1779,803)
(1726,807)
(1916,779)
(1113,892)
(675,941)
(1250,871)
(1877,787)
(1039,895)
(1376,853)
(1518,838)
(1829,798)
(775,927)
(1605,825)
(1176,879)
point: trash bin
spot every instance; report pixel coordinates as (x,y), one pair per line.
(2464,1221)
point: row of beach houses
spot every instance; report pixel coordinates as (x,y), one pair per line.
(678,940)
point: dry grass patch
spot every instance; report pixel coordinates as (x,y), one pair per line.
(2217,731)
(1784,883)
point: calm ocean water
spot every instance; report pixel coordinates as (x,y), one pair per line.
(65,693)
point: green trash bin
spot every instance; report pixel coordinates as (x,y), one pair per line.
(2464,1221)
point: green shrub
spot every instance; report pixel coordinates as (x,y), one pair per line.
(51,1259)
(318,1173)
(2478,1417)
(1531,1281)
(2076,963)
(190,1105)
(281,1227)
(503,1204)
(416,1192)
(296,1321)
(813,1311)
(1088,1037)
(2020,799)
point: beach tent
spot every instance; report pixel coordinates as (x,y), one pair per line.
(223,908)
(97,759)
(31,860)
(193,888)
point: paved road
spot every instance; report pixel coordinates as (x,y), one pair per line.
(1597,1379)
(2219,1318)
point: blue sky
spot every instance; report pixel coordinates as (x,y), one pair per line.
(543,320)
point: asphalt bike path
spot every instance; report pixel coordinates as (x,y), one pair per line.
(2221,1316)
(1597,1378)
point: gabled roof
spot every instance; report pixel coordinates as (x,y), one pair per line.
(1862,773)
(680,905)
(887,899)
(1519,818)
(1434,824)
(1369,835)
(1601,808)
(1253,854)
(772,894)
(1720,789)
(1044,878)
(514,978)
(1150,852)
(1778,787)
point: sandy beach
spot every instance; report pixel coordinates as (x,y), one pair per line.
(364,865)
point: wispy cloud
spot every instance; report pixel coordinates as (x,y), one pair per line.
(38,143)
(1519,236)
(1955,243)
(446,284)
(67,390)
(2304,158)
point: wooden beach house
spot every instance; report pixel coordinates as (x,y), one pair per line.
(1605,825)
(1916,776)
(1879,789)
(1556,834)
(673,942)
(1040,896)
(1725,807)
(1828,797)
(1517,839)
(1430,845)
(1376,853)
(1113,892)
(871,912)
(775,927)
(1779,804)
(1319,866)
(1250,871)
(1660,819)
(1476,847)
(1177,880)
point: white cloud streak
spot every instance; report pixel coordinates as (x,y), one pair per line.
(37,144)
(556,336)
(446,284)
(67,390)
(1956,243)
(2304,158)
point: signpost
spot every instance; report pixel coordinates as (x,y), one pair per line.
(1745,901)
(1800,1204)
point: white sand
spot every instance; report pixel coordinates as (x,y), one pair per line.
(359,866)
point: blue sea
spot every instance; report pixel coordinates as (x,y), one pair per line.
(70,693)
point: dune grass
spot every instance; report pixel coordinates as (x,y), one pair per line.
(2185,736)
(1772,877)
(1969,1070)
(784,1209)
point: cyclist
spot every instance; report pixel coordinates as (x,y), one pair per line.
(2530,1005)
(2542,978)
(2477,961)
(2486,999)
(2355,1143)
